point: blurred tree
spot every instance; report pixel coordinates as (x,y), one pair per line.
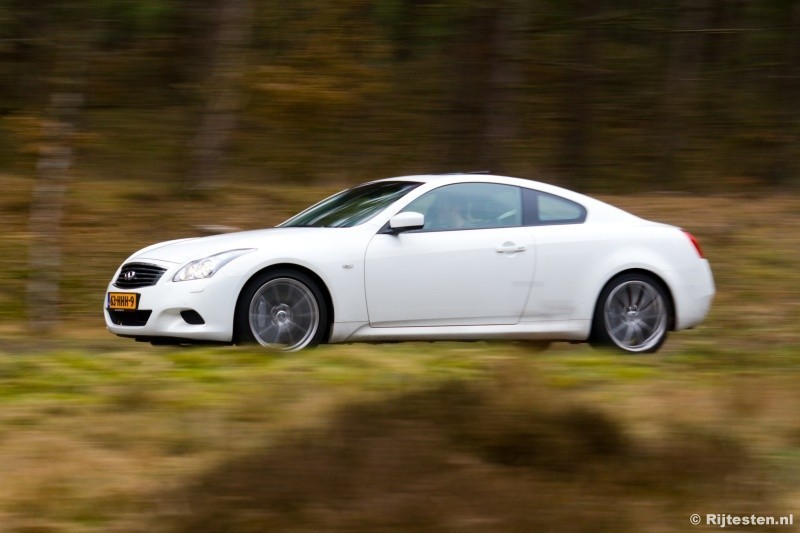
(786,75)
(24,51)
(486,53)
(47,210)
(509,49)
(469,90)
(724,68)
(320,89)
(221,92)
(684,66)
(608,93)
(580,86)
(66,55)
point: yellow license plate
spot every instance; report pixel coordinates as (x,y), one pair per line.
(123,301)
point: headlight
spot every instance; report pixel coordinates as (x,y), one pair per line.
(208,266)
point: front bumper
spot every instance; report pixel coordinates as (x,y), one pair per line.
(200,310)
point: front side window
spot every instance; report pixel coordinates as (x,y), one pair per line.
(469,206)
(351,207)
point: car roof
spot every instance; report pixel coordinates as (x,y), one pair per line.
(478,177)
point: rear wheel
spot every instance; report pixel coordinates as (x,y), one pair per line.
(283,310)
(632,314)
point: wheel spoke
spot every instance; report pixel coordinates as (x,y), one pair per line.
(654,298)
(295,331)
(626,334)
(618,328)
(629,294)
(642,293)
(639,336)
(618,302)
(269,330)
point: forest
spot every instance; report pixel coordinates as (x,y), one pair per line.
(608,95)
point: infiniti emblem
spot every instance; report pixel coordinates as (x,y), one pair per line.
(129,275)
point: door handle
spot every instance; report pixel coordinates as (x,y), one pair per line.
(509,248)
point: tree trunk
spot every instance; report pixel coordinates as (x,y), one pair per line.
(219,118)
(47,208)
(786,170)
(502,109)
(680,86)
(469,92)
(483,103)
(578,92)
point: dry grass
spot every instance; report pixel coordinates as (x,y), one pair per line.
(467,457)
(438,437)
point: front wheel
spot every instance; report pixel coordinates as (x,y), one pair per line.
(282,310)
(632,314)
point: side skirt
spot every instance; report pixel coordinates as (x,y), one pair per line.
(561,330)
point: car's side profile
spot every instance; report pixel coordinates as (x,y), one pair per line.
(430,257)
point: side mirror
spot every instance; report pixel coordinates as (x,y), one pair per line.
(406,221)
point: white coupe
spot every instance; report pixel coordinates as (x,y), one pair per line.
(459,256)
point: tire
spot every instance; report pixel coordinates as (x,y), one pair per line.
(632,314)
(282,310)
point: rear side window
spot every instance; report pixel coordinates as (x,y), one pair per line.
(541,209)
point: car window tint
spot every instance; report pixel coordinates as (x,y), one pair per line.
(547,209)
(469,206)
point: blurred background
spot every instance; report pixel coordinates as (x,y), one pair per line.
(601,95)
(124,123)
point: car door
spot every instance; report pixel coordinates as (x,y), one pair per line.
(471,263)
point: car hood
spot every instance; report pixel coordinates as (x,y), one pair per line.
(185,250)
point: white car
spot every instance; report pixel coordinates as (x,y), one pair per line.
(460,257)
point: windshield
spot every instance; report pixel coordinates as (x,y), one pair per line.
(351,207)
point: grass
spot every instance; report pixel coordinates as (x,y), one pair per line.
(103,434)
(389,437)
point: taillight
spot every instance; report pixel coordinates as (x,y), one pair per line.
(694,243)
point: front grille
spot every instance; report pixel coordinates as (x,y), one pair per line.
(138,275)
(129,318)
